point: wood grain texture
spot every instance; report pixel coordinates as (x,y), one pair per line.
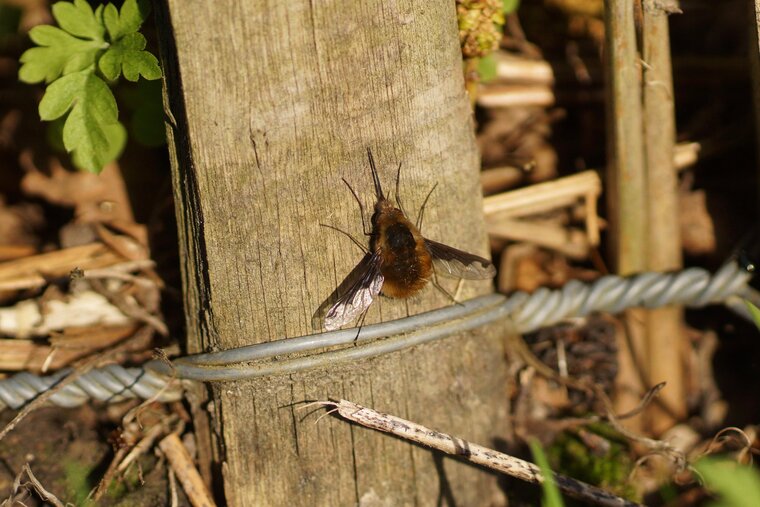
(274,102)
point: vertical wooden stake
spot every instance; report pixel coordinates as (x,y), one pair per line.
(664,325)
(626,187)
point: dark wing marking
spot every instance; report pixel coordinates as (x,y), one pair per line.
(450,261)
(354,295)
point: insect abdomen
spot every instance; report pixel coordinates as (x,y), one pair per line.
(406,263)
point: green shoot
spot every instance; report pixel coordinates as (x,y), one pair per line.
(552,497)
(77,60)
(736,485)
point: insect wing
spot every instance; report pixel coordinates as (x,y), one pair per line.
(450,261)
(367,282)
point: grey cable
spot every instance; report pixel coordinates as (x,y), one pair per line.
(109,384)
(522,312)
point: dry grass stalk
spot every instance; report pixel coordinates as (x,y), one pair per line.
(35,271)
(504,210)
(182,465)
(29,355)
(515,96)
(570,242)
(11,252)
(514,68)
(18,496)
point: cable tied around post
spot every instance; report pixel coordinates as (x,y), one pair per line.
(522,312)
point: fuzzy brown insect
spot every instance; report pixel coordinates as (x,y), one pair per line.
(400,261)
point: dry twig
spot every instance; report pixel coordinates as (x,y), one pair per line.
(44,494)
(489,458)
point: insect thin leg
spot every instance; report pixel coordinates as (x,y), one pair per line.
(361,207)
(422,208)
(356,241)
(458,292)
(438,286)
(361,324)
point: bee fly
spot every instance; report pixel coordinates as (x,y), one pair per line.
(399,262)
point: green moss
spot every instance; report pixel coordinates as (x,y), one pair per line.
(77,483)
(569,455)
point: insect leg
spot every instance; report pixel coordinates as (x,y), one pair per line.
(438,286)
(361,324)
(356,242)
(422,208)
(361,208)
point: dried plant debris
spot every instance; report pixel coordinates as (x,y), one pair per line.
(585,350)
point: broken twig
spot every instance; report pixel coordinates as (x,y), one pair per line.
(504,463)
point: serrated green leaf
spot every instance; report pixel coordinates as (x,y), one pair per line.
(126,55)
(89,132)
(80,61)
(78,19)
(133,14)
(59,53)
(116,136)
(111,21)
(48,35)
(737,485)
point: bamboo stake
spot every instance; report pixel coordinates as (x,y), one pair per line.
(664,325)
(625,175)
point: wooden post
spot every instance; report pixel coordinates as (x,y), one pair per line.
(274,102)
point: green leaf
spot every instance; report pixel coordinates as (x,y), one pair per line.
(487,68)
(111,21)
(552,497)
(133,14)
(91,131)
(754,311)
(78,19)
(59,53)
(116,135)
(736,485)
(510,6)
(126,55)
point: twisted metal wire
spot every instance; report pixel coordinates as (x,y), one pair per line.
(111,383)
(521,313)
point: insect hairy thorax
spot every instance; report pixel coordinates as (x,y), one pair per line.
(404,260)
